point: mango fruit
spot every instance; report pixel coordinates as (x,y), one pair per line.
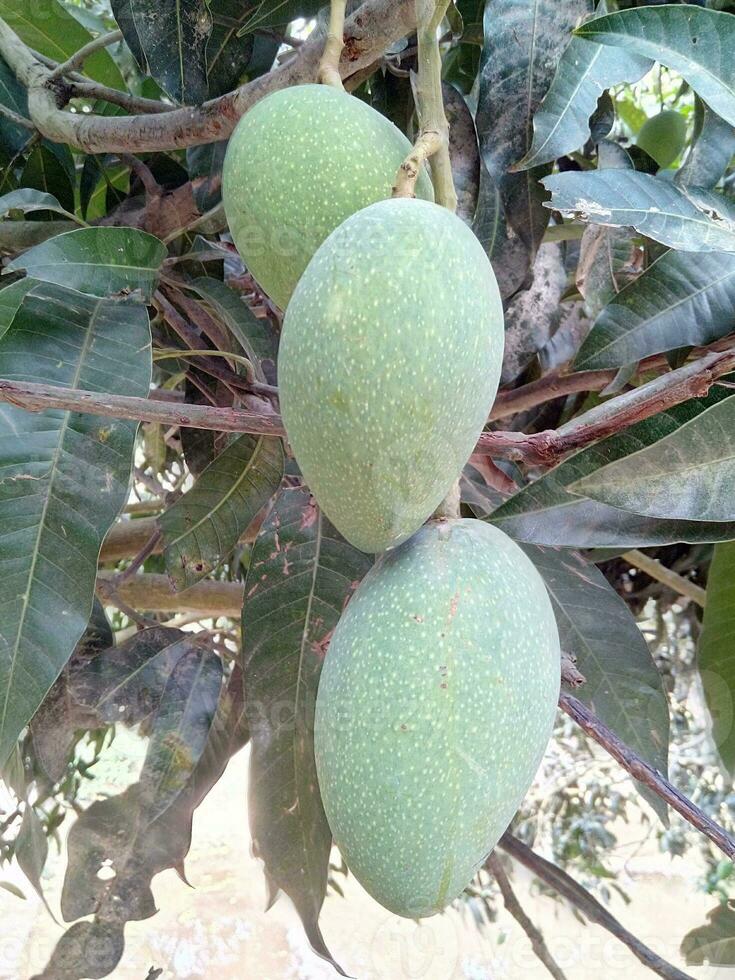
(299,162)
(435,704)
(389,363)
(663,137)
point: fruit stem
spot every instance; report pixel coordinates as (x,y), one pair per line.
(433,140)
(448,509)
(328,71)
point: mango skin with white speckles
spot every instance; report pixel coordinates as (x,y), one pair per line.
(389,363)
(435,705)
(298,163)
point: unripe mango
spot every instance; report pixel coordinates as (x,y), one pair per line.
(298,163)
(435,704)
(663,136)
(389,363)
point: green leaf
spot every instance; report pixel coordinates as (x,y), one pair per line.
(584,72)
(27,199)
(680,300)
(524,40)
(31,849)
(265,14)
(546,513)
(232,58)
(205,172)
(623,686)
(301,574)
(97,261)
(687,475)
(101,179)
(13,889)
(10,299)
(693,41)
(181,729)
(716,654)
(44,171)
(168,39)
(712,943)
(64,479)
(256,337)
(654,206)
(47,27)
(14,97)
(712,150)
(204,525)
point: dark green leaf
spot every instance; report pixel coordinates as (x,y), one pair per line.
(47,27)
(44,171)
(231,58)
(205,172)
(716,656)
(97,261)
(524,40)
(546,513)
(712,943)
(204,525)
(27,199)
(13,96)
(31,848)
(256,337)
(301,575)
(10,299)
(169,39)
(101,178)
(180,729)
(711,152)
(680,300)
(278,13)
(693,41)
(686,476)
(64,479)
(622,685)
(463,151)
(584,72)
(509,255)
(654,206)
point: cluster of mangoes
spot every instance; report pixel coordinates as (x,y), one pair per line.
(437,696)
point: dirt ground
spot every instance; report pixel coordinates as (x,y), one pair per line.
(218,930)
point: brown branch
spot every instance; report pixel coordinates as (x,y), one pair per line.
(656,570)
(155,593)
(645,773)
(128,538)
(514,907)
(546,389)
(373,27)
(568,888)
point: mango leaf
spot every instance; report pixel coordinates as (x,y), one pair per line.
(31,849)
(716,655)
(464,154)
(687,475)
(301,575)
(114,833)
(44,171)
(693,41)
(10,299)
(584,72)
(14,97)
(507,252)
(181,728)
(47,27)
(713,147)
(64,479)
(103,178)
(712,943)
(230,56)
(205,172)
(546,513)
(654,206)
(97,261)
(168,39)
(255,336)
(524,40)
(27,199)
(265,14)
(204,525)
(680,300)
(623,686)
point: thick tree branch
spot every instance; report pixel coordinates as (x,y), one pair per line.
(568,888)
(155,594)
(645,773)
(514,907)
(368,32)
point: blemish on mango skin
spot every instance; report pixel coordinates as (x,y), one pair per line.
(423,771)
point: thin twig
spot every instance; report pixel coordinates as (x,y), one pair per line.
(79,57)
(328,72)
(149,548)
(16,118)
(645,773)
(677,583)
(568,888)
(540,949)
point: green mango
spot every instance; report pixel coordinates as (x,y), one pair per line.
(435,704)
(389,363)
(298,163)
(663,137)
